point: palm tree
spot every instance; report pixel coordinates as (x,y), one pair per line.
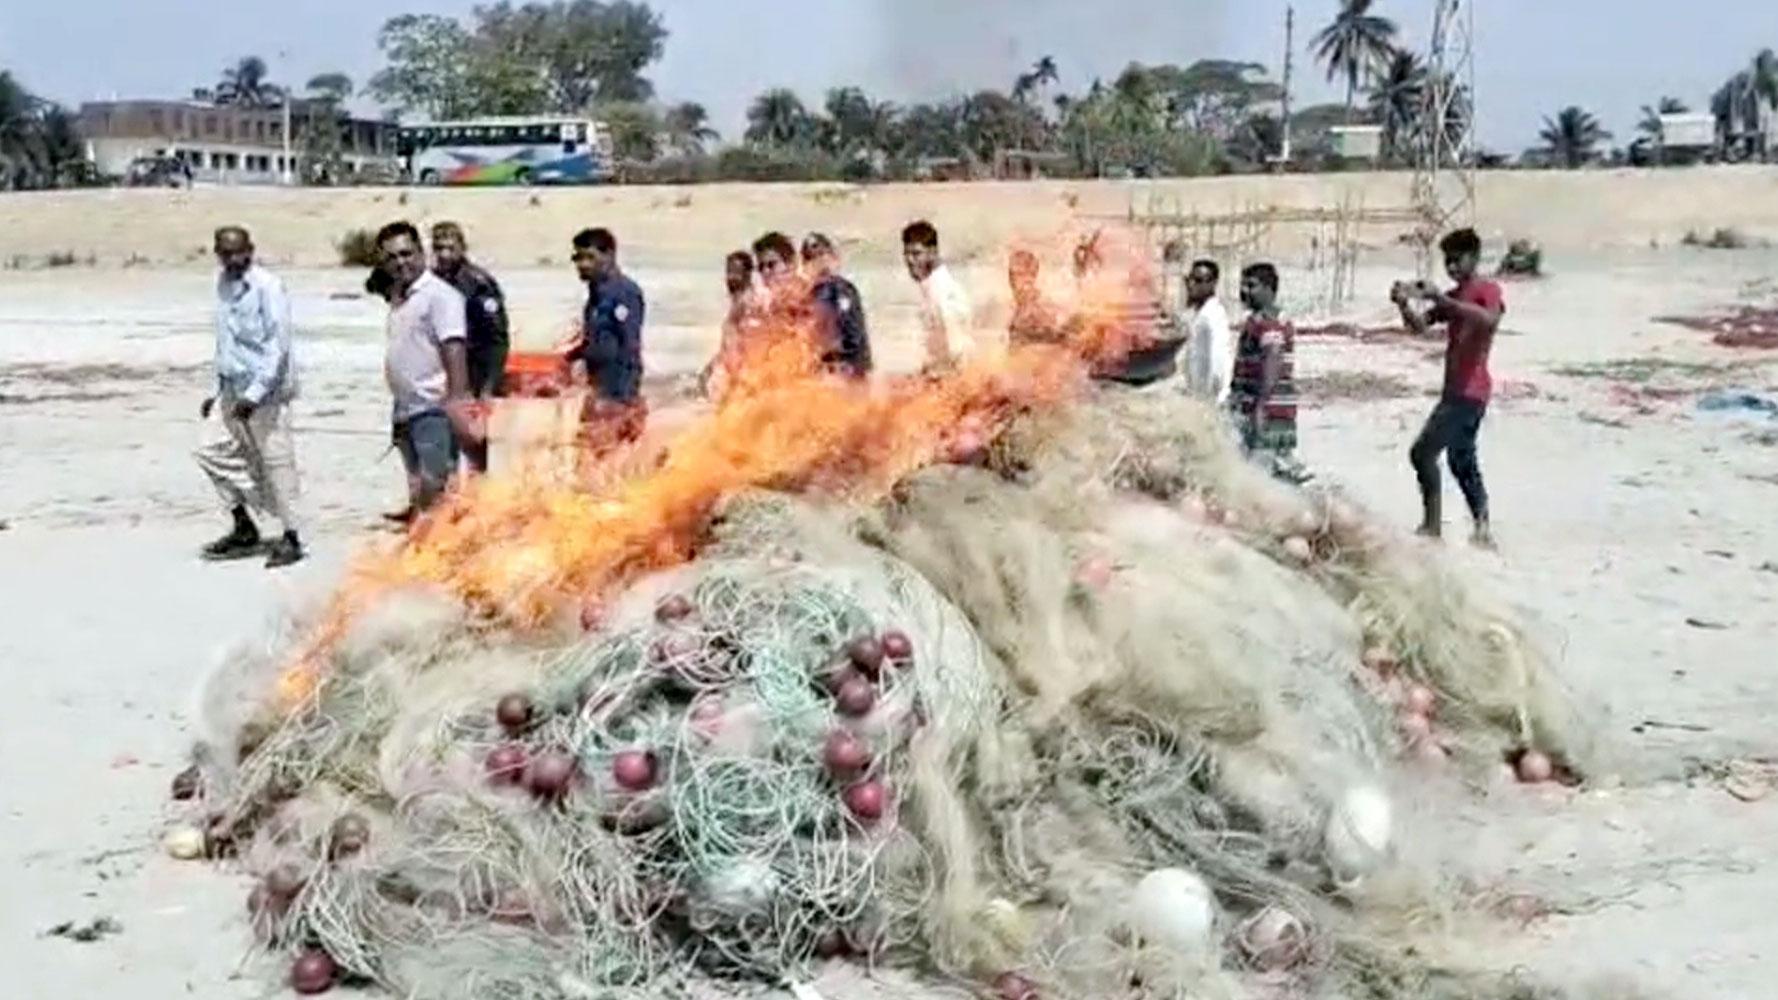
(778,118)
(1355,45)
(1398,101)
(850,123)
(1572,135)
(687,125)
(1650,123)
(245,84)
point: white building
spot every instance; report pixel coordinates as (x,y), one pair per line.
(226,144)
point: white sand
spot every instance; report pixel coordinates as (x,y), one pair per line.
(1619,525)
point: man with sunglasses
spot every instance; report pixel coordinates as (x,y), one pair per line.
(1210,343)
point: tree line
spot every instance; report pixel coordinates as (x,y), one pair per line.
(592,57)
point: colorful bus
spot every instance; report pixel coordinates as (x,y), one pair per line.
(507,151)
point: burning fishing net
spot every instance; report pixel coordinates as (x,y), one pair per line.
(1066,699)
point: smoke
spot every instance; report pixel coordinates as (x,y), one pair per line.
(931,49)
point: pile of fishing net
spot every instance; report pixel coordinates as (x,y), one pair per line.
(1106,713)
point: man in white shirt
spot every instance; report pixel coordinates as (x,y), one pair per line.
(945,310)
(427,366)
(252,463)
(1210,345)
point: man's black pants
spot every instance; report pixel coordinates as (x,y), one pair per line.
(1451,429)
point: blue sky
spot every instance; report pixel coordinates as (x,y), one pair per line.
(1533,56)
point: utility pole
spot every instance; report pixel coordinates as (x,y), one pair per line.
(1446,149)
(1289,57)
(284,56)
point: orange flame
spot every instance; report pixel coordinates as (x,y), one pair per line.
(522,549)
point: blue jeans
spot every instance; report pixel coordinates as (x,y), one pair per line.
(428,449)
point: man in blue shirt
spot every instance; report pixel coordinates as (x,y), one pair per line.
(252,462)
(485,319)
(610,344)
(843,338)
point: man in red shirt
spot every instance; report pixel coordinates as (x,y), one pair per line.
(1470,313)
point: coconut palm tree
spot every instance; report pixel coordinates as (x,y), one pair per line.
(1572,135)
(245,84)
(1355,45)
(778,118)
(1650,123)
(1398,101)
(687,126)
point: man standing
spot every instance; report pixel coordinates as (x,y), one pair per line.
(1262,393)
(1470,313)
(485,320)
(740,326)
(253,461)
(842,336)
(610,345)
(945,310)
(427,367)
(1210,347)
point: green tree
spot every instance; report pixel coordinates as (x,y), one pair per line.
(321,132)
(1214,96)
(778,119)
(1572,136)
(686,127)
(992,121)
(39,145)
(334,87)
(1650,123)
(245,84)
(929,130)
(427,69)
(636,130)
(564,56)
(583,52)
(1355,45)
(1398,101)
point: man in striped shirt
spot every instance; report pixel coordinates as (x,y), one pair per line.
(1263,392)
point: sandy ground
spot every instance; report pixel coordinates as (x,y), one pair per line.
(1637,525)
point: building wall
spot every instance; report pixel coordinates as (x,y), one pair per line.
(222,144)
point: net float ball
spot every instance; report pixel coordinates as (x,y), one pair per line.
(635,770)
(514,713)
(1012,986)
(1274,939)
(867,800)
(1298,549)
(1379,660)
(833,944)
(186,843)
(350,835)
(1535,767)
(856,697)
(866,653)
(673,608)
(285,882)
(1359,832)
(187,784)
(1172,908)
(506,764)
(313,972)
(550,775)
(1421,700)
(1415,728)
(898,648)
(845,755)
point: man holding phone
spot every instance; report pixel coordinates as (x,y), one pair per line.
(1470,314)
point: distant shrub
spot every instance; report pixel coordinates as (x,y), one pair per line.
(63,258)
(1723,238)
(1523,258)
(358,248)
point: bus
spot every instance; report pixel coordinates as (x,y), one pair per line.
(507,151)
